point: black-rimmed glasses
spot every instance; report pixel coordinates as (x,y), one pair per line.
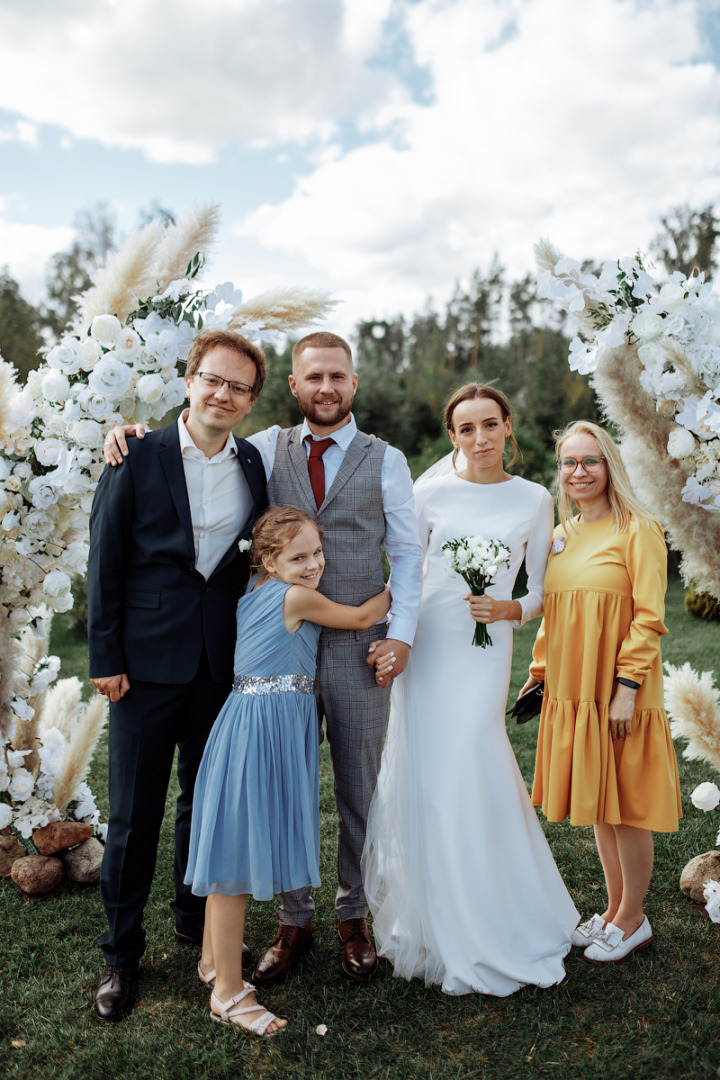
(239,389)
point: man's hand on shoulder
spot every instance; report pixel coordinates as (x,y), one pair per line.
(112,686)
(115,445)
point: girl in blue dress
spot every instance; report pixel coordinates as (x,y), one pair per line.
(255,825)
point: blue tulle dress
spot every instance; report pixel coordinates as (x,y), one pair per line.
(255,822)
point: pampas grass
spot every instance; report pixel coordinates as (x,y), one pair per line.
(283,309)
(692,702)
(7,676)
(656,477)
(60,706)
(546,254)
(127,277)
(8,375)
(179,244)
(82,741)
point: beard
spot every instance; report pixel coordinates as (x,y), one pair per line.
(325,417)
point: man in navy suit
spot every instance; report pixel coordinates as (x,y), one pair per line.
(164,576)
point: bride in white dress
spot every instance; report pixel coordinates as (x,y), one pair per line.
(462,886)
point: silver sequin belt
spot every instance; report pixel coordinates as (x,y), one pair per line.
(275,684)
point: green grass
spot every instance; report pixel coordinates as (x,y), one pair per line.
(656,1016)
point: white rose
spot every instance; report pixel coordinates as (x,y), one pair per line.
(56,584)
(680,443)
(127,342)
(49,451)
(12,483)
(706,796)
(55,386)
(89,352)
(21,785)
(671,297)
(105,329)
(86,433)
(42,493)
(98,405)
(63,357)
(647,327)
(19,618)
(6,815)
(36,524)
(111,377)
(75,556)
(164,347)
(175,392)
(54,422)
(150,388)
(652,356)
(20,413)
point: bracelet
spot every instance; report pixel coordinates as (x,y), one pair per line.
(628,682)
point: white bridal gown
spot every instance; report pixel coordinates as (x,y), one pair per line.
(460,880)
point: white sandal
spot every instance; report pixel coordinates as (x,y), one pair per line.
(208,979)
(229,1009)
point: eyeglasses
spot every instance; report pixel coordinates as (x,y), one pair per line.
(570,464)
(239,389)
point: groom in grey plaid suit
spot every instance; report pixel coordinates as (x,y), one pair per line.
(362,500)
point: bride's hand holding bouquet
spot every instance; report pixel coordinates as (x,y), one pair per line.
(478,560)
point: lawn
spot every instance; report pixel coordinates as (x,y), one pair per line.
(656,1016)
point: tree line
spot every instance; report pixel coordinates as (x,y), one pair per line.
(491,330)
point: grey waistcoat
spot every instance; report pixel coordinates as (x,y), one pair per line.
(351,516)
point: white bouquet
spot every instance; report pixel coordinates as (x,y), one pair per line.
(477,560)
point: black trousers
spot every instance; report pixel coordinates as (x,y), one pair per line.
(145,727)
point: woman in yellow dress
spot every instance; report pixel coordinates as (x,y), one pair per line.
(605,755)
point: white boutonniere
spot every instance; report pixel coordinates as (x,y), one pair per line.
(244,545)
(558,545)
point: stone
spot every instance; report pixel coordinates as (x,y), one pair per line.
(60,835)
(10,850)
(37,875)
(84,862)
(702,868)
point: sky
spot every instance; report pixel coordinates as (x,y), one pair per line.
(381,149)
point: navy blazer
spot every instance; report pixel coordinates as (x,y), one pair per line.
(149,610)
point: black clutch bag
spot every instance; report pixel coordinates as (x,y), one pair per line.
(529,705)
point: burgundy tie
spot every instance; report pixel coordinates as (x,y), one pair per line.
(316,468)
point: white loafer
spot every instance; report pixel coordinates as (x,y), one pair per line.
(609,947)
(584,934)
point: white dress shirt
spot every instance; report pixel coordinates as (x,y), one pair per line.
(220,500)
(402,543)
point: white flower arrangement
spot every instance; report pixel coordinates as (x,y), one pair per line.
(675,329)
(477,560)
(122,362)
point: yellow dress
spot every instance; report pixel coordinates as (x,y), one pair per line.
(603,618)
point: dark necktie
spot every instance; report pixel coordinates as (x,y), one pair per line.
(316,467)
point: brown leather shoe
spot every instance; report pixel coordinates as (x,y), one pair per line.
(114,994)
(289,943)
(359,959)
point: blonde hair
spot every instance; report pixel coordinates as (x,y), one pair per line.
(275,529)
(470,392)
(623,501)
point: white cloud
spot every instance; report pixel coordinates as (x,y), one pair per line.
(20,131)
(179,79)
(25,249)
(583,122)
